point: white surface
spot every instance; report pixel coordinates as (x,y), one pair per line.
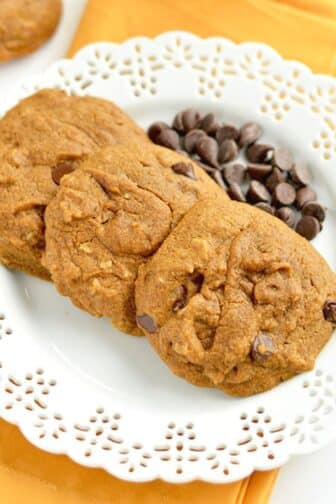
(309,479)
(148,423)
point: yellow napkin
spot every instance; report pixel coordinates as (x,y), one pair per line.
(298,29)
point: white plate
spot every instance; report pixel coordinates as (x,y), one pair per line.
(74,384)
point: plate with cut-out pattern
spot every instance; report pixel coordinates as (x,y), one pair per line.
(74,384)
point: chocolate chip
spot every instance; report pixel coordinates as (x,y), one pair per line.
(61,169)
(265,207)
(258,171)
(205,167)
(329,310)
(190,119)
(207,149)
(146,322)
(168,138)
(284,194)
(258,192)
(178,123)
(197,279)
(227,132)
(227,151)
(192,138)
(218,177)
(185,169)
(287,215)
(41,244)
(308,227)
(155,129)
(315,210)
(259,153)
(234,173)
(249,133)
(305,195)
(181,300)
(276,177)
(235,192)
(209,124)
(301,174)
(262,347)
(283,159)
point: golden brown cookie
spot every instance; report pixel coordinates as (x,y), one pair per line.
(43,137)
(26,24)
(235,299)
(110,216)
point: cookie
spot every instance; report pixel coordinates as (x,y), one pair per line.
(110,216)
(25,25)
(235,299)
(43,137)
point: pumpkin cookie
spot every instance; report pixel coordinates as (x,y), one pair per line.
(43,137)
(25,25)
(234,299)
(110,216)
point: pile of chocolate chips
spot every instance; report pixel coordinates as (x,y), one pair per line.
(268,178)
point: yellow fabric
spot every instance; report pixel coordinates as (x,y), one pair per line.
(299,29)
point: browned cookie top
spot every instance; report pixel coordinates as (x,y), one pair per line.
(26,24)
(41,138)
(110,216)
(235,299)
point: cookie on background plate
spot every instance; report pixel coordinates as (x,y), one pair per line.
(234,299)
(43,137)
(110,216)
(25,25)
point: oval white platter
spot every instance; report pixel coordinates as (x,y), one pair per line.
(75,385)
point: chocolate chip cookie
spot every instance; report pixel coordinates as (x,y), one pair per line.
(110,216)
(43,137)
(26,24)
(235,299)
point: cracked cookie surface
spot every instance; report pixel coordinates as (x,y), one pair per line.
(26,24)
(110,216)
(234,299)
(41,139)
